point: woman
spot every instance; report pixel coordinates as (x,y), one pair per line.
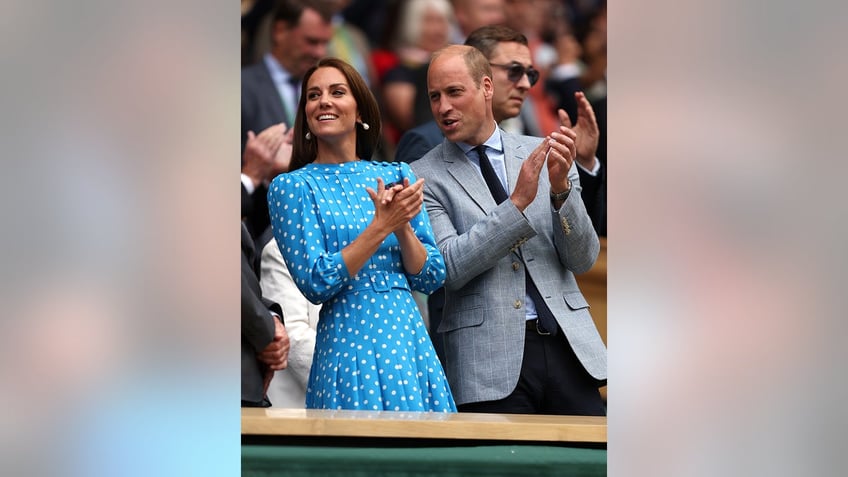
(358,247)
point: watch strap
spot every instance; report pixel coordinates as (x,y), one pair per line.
(562,195)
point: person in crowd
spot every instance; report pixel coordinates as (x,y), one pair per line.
(349,43)
(508,219)
(288,389)
(300,33)
(424,27)
(264,341)
(531,19)
(566,88)
(265,155)
(269,89)
(473,14)
(356,238)
(253,13)
(592,36)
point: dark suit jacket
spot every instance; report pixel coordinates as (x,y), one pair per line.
(600,107)
(254,211)
(562,92)
(594,195)
(257,323)
(261,105)
(418,141)
(594,192)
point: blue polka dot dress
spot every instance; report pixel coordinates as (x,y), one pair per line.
(372,350)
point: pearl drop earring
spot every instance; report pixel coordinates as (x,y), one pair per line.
(365,126)
(308,135)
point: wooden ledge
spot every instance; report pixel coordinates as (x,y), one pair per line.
(422,425)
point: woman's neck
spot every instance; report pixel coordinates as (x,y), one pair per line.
(331,153)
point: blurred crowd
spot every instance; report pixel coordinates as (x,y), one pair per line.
(390,41)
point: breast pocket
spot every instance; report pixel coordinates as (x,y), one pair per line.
(575,301)
(462,312)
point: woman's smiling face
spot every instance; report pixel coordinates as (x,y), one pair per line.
(331,109)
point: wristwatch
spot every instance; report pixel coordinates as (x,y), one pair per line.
(562,195)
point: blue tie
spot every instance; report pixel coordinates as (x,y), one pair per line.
(546,318)
(292,109)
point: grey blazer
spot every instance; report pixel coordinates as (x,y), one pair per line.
(485,247)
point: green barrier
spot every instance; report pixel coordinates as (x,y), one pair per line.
(490,461)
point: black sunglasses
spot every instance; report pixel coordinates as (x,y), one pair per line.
(515,71)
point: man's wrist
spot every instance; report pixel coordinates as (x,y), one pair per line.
(591,165)
(560,196)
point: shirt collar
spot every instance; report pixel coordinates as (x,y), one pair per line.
(278,73)
(494,142)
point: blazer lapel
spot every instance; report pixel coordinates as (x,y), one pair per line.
(467,177)
(269,90)
(514,154)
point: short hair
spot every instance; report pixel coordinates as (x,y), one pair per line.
(486,38)
(477,64)
(290,11)
(305,150)
(411,14)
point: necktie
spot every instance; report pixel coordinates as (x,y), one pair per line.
(546,318)
(292,108)
(295,82)
(492,180)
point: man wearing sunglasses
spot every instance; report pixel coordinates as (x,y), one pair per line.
(513,74)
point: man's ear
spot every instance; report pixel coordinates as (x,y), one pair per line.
(488,87)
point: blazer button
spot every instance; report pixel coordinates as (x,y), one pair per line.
(515,266)
(517,304)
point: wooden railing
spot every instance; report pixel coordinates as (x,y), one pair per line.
(421,425)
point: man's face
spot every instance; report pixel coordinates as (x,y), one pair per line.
(509,95)
(461,109)
(473,14)
(298,48)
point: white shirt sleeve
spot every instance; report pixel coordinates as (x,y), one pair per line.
(594,170)
(247,182)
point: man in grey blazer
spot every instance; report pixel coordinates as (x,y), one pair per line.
(510,259)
